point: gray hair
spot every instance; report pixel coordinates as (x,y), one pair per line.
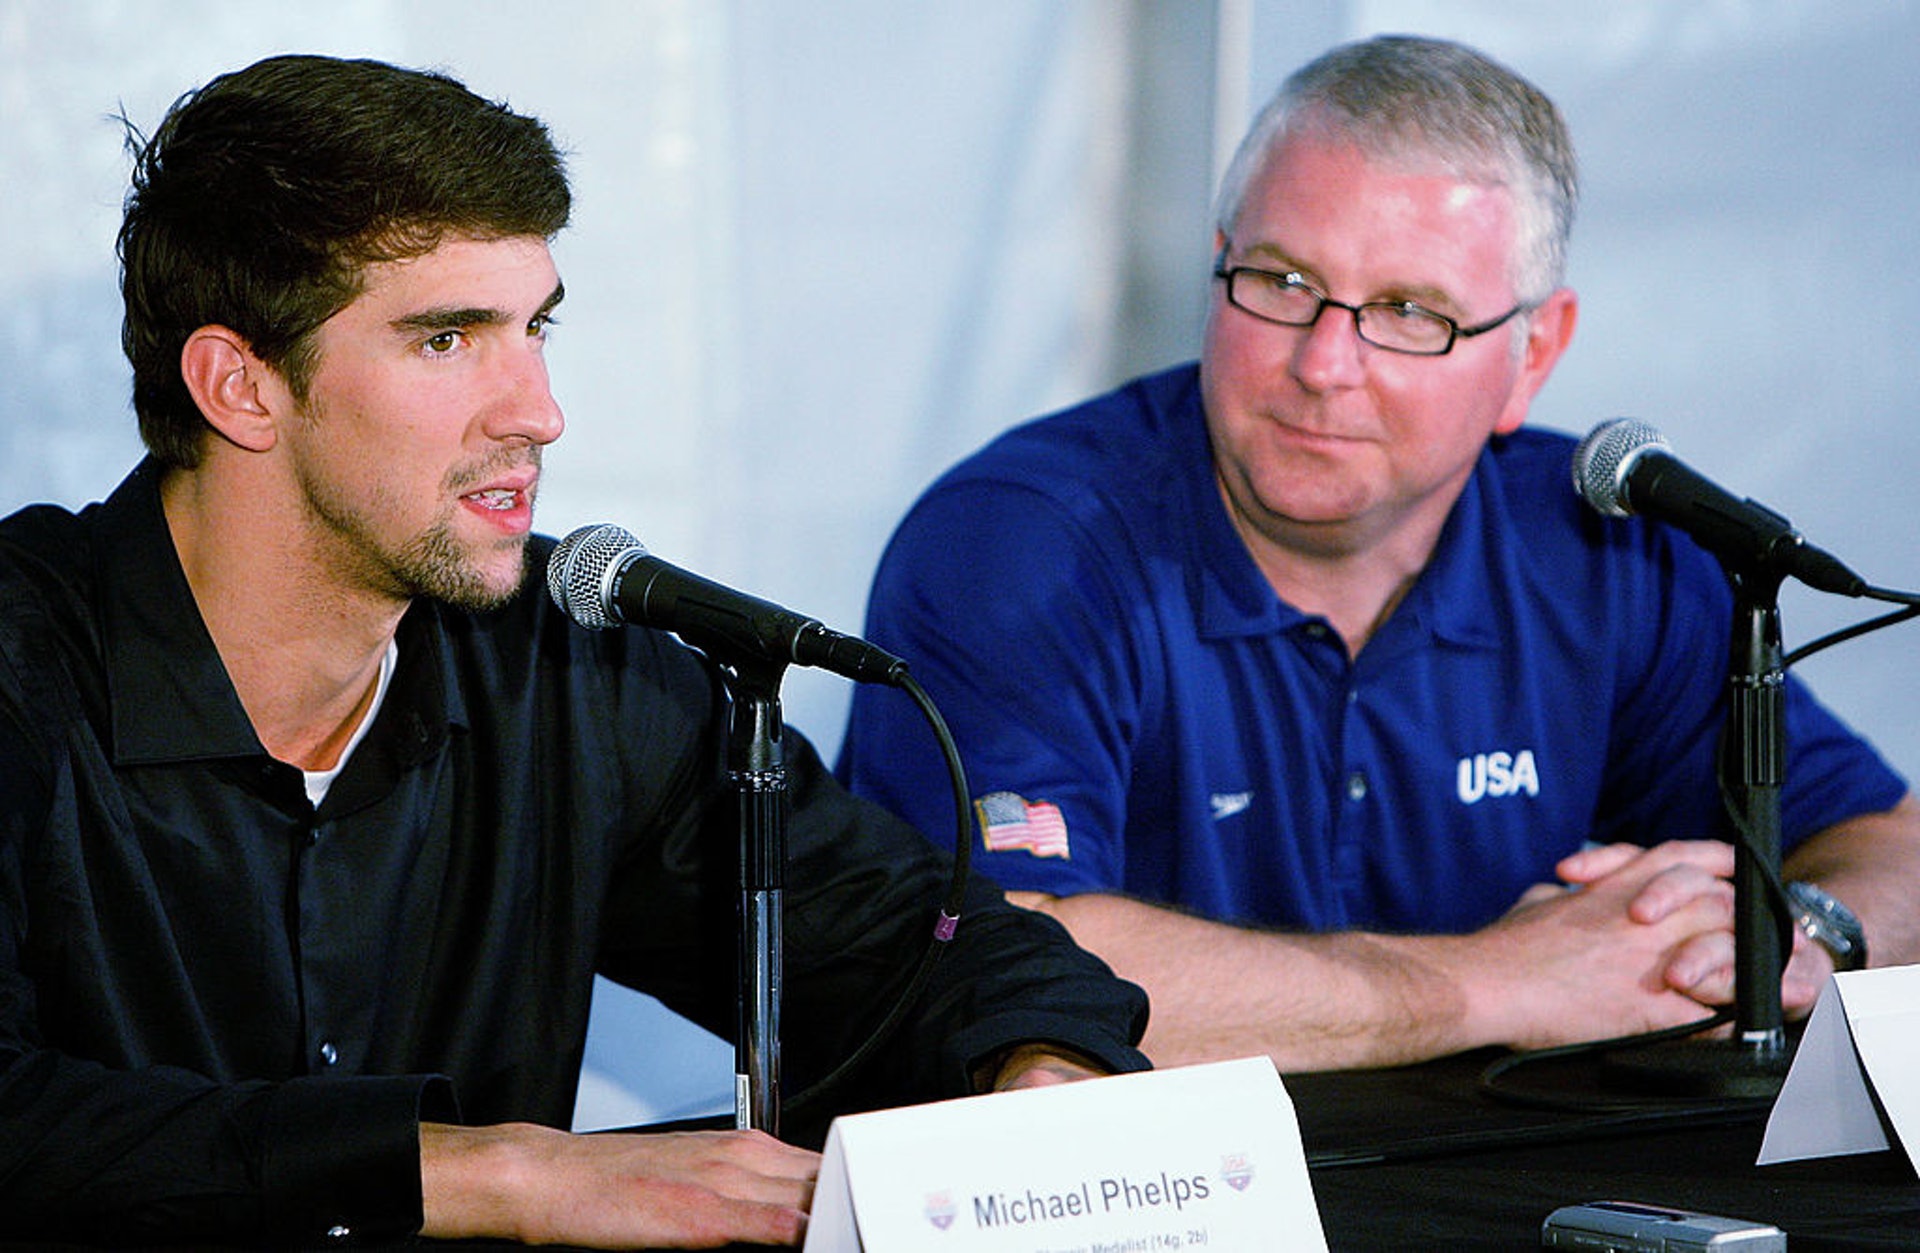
(1425,102)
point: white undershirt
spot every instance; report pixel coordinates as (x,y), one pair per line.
(318,781)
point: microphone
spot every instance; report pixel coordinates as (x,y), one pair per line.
(601,576)
(1624,467)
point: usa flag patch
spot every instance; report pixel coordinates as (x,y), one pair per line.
(1009,822)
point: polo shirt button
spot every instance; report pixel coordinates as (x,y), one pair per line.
(329,1055)
(1357,786)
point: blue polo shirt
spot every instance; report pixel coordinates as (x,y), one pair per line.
(1112,662)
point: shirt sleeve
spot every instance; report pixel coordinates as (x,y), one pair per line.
(863,893)
(1016,616)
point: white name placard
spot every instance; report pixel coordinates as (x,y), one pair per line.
(1858,1048)
(1200,1157)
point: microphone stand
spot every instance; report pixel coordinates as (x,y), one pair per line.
(1753,763)
(756,766)
(1756,752)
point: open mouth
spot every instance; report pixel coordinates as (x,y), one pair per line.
(499,499)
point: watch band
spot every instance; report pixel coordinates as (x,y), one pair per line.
(1829,924)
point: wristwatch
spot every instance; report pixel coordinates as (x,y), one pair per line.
(1829,924)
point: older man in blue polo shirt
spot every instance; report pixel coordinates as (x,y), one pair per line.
(1299,684)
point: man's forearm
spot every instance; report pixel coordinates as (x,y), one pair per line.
(1872,864)
(1310,1002)
(666,1190)
(1559,967)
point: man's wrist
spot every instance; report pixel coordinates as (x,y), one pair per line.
(1829,924)
(1006,1068)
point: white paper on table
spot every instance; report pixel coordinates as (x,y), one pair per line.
(1201,1157)
(1852,1084)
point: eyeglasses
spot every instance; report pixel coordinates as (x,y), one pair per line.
(1396,325)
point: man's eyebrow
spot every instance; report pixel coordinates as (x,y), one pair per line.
(1273,254)
(444,316)
(1423,294)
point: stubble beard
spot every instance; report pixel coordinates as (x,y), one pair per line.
(436,563)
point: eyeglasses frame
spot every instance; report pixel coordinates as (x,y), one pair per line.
(1293,278)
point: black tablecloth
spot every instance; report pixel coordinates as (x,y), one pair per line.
(1426,1157)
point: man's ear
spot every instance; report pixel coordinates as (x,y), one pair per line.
(237,392)
(1549,331)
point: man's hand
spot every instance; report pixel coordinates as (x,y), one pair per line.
(1634,948)
(1040,1066)
(1703,966)
(690,1190)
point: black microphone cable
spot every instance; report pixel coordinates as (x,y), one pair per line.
(945,926)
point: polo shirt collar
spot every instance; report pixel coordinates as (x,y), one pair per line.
(1233,598)
(1451,596)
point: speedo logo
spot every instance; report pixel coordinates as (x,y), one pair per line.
(1496,775)
(1227,804)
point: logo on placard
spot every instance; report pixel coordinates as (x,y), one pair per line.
(940,1209)
(1237,1170)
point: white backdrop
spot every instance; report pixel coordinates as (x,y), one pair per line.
(823,248)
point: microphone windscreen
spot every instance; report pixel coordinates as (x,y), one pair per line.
(577,571)
(1601,461)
